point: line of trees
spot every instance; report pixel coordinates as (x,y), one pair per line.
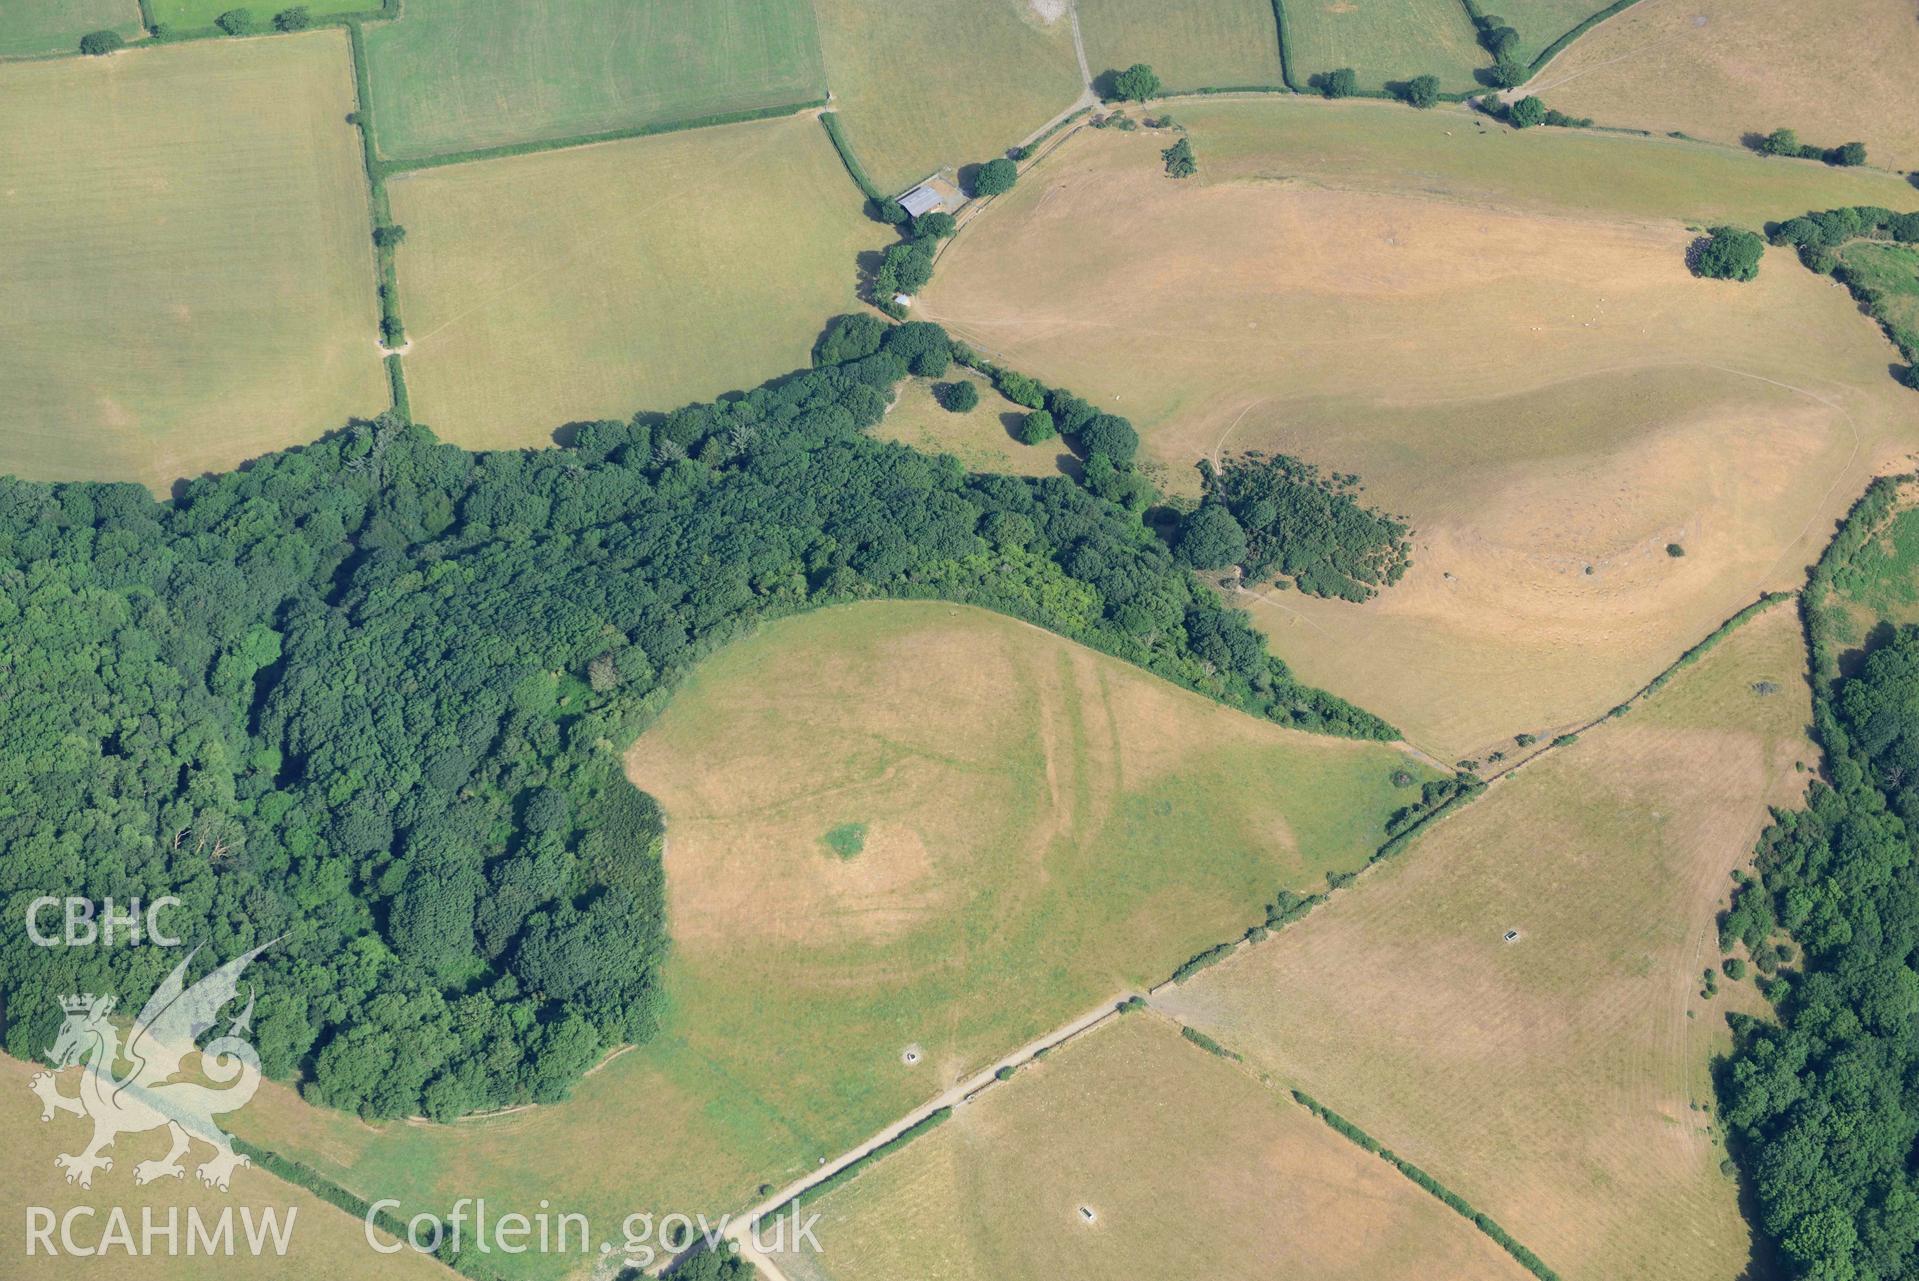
(1784,142)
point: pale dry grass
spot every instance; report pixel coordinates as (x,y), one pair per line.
(598,281)
(1549,399)
(324,1240)
(1837,71)
(1550,1081)
(1191,1167)
(186,274)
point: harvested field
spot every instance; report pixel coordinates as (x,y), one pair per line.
(1548,397)
(922,85)
(1190,1167)
(1551,1081)
(186,276)
(1727,69)
(1199,44)
(597,281)
(454,75)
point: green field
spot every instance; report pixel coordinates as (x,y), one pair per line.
(1890,273)
(1550,1080)
(1191,1169)
(921,85)
(596,281)
(1540,22)
(1044,827)
(1384,40)
(1201,44)
(186,278)
(55,26)
(190,14)
(454,75)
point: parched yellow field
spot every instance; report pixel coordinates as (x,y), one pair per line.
(594,282)
(1837,71)
(981,438)
(186,265)
(1191,1169)
(1044,828)
(322,1240)
(1547,396)
(1197,44)
(1549,1081)
(923,85)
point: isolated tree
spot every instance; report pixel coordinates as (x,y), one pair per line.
(1343,83)
(1527,112)
(1179,159)
(1780,142)
(99,43)
(235,22)
(1728,253)
(1421,91)
(298,18)
(1036,428)
(994,177)
(957,397)
(1137,83)
(1210,538)
(1850,154)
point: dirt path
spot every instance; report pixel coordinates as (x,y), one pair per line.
(957,1095)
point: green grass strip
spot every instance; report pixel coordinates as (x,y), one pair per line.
(830,121)
(1208,1044)
(1553,50)
(1458,1204)
(389,167)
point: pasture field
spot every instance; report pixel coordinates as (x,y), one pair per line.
(1550,1081)
(596,281)
(1385,40)
(190,14)
(454,75)
(55,26)
(1725,69)
(921,85)
(981,438)
(1540,22)
(1892,273)
(1045,827)
(186,273)
(1191,1168)
(322,1242)
(1547,396)
(1203,44)
(1881,582)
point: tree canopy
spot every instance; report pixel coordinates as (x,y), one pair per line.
(1137,83)
(1728,253)
(1309,527)
(995,176)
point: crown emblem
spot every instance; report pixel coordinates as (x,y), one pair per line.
(86,1003)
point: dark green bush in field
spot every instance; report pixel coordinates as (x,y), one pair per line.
(388,234)
(98,43)
(1343,83)
(1508,73)
(995,177)
(1136,84)
(370,695)
(1209,538)
(1310,527)
(1728,253)
(957,397)
(235,22)
(298,18)
(1526,113)
(1179,159)
(1109,435)
(1037,428)
(1847,154)
(849,337)
(1420,91)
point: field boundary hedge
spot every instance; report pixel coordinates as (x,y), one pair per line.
(806,1196)
(1432,1186)
(533,147)
(1285,48)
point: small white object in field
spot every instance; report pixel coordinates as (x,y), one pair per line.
(1086,1213)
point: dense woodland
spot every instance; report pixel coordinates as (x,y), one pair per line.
(1824,1104)
(370,695)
